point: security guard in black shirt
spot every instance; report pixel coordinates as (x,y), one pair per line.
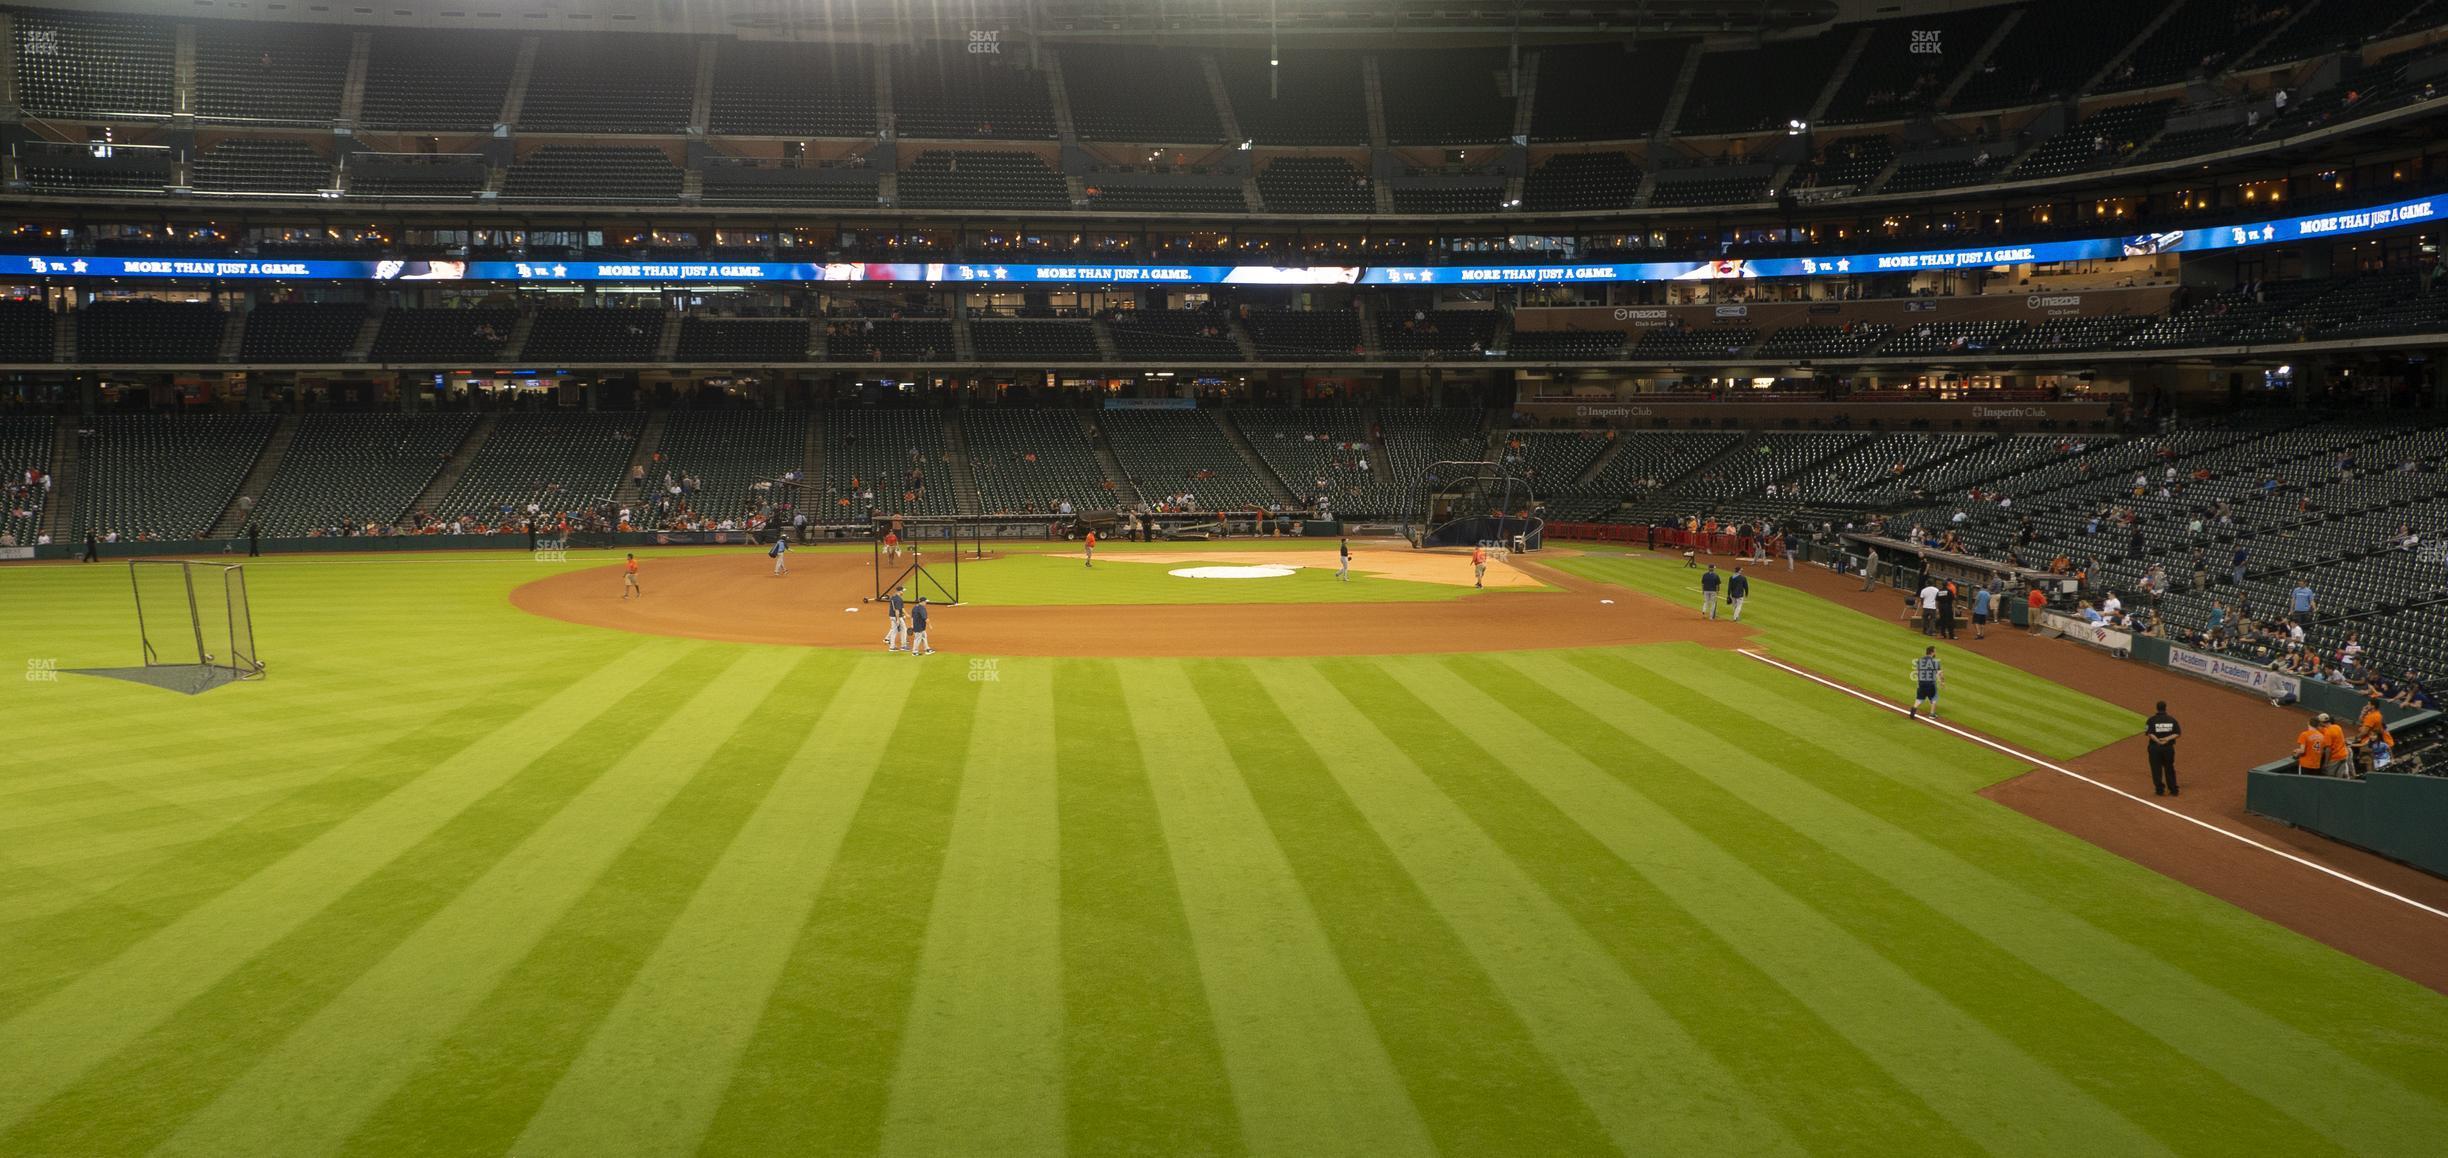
(2160,733)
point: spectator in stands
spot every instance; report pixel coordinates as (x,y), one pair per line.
(2301,601)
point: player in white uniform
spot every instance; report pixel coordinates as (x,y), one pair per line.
(781,554)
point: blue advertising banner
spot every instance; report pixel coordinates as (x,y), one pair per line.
(2272,232)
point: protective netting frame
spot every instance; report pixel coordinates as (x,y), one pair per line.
(196,609)
(1454,481)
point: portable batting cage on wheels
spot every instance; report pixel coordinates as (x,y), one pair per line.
(194,625)
(1475,504)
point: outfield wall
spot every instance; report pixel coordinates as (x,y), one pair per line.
(2404,818)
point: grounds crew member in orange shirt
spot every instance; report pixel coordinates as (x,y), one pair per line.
(1478,566)
(2310,749)
(2340,757)
(629,584)
(1092,548)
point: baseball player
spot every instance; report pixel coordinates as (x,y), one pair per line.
(1737,589)
(781,555)
(896,624)
(892,546)
(1091,552)
(1478,566)
(1343,551)
(629,584)
(1926,677)
(1710,581)
(918,644)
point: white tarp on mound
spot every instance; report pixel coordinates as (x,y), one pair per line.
(1260,571)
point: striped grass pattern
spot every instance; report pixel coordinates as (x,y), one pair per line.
(459,880)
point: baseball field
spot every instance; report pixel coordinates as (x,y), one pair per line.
(496,862)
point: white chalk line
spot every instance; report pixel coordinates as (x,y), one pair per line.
(2036,761)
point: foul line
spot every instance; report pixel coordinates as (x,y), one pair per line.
(2027,757)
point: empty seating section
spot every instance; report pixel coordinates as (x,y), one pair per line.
(444,335)
(404,177)
(301,331)
(593,334)
(1824,341)
(1313,98)
(763,340)
(1437,333)
(888,339)
(1565,345)
(1645,462)
(1848,163)
(1912,175)
(1465,197)
(1027,461)
(442,81)
(2204,38)
(1315,185)
(25,446)
(613,83)
(1570,181)
(1604,92)
(1696,189)
(1172,452)
(1415,438)
(2108,137)
(1318,451)
(1880,469)
(94,65)
(2328,27)
(975,178)
(942,94)
(1174,336)
(560,463)
(145,330)
(27,331)
(728,183)
(257,166)
(594,173)
(1140,94)
(162,476)
(792,90)
(1294,334)
(2070,334)
(1754,88)
(1748,468)
(1933,338)
(1906,63)
(124,171)
(726,451)
(1446,96)
(354,469)
(264,72)
(2052,50)
(1033,340)
(2200,139)
(1157,195)
(869,458)
(1702,342)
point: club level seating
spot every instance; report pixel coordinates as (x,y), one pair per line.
(1315,185)
(301,331)
(264,72)
(1311,98)
(593,334)
(146,171)
(395,176)
(1027,461)
(727,183)
(1565,345)
(2052,49)
(1604,92)
(1168,452)
(354,469)
(2108,137)
(94,64)
(1933,338)
(1703,342)
(2069,334)
(560,462)
(726,451)
(869,454)
(1139,94)
(793,90)
(145,330)
(1175,336)
(1571,181)
(763,340)
(1470,197)
(1753,88)
(975,178)
(1155,195)
(1438,333)
(1033,340)
(610,83)
(1453,96)
(1728,190)
(167,476)
(444,335)
(942,95)
(594,173)
(1292,334)
(1824,341)
(888,339)
(439,81)
(27,331)
(243,165)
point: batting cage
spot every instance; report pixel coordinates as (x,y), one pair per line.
(1475,504)
(921,554)
(194,624)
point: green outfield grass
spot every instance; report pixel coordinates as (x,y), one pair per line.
(459,880)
